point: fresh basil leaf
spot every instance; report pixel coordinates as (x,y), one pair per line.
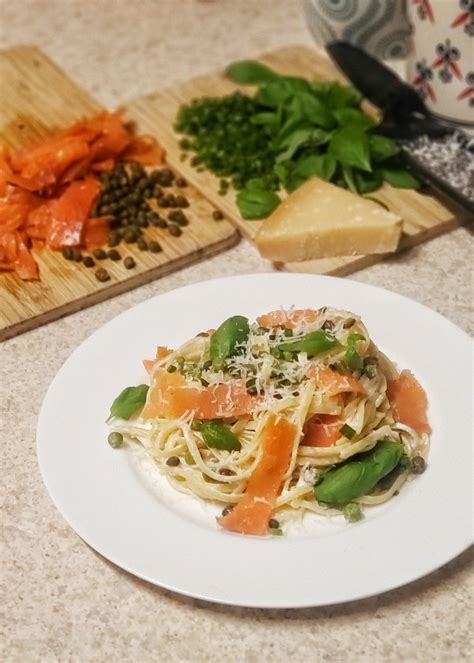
(256,203)
(277,92)
(267,119)
(399,178)
(350,146)
(292,143)
(349,178)
(282,171)
(217,435)
(256,183)
(314,110)
(129,401)
(250,72)
(321,165)
(366,182)
(382,148)
(336,95)
(294,119)
(353,117)
(313,343)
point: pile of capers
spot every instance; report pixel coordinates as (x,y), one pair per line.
(124,197)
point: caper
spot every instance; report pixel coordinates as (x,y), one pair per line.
(178,217)
(155,247)
(226,472)
(68,253)
(174,230)
(100,254)
(181,201)
(181,182)
(350,322)
(76,255)
(217,215)
(113,254)
(159,222)
(115,440)
(273,523)
(129,262)
(196,425)
(88,261)
(142,244)
(130,236)
(418,465)
(163,202)
(173,461)
(166,173)
(102,275)
(171,368)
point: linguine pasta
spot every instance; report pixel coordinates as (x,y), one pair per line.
(336,399)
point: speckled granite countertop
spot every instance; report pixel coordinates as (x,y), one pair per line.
(60,600)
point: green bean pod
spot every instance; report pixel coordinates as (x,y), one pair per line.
(358,477)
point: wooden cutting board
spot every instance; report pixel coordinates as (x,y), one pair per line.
(38,97)
(424,216)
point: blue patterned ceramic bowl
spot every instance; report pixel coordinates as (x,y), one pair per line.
(378,26)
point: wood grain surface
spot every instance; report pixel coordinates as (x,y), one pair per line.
(37,97)
(424,216)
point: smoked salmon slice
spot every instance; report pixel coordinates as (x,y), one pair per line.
(61,169)
(287,319)
(170,397)
(321,430)
(409,402)
(70,212)
(334,383)
(254,509)
(161,353)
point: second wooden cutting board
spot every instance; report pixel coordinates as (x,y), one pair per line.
(424,216)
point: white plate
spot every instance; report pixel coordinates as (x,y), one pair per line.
(105,500)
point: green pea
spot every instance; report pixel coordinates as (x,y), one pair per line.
(352,512)
(115,440)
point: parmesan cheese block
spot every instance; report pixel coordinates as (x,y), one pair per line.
(321,220)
